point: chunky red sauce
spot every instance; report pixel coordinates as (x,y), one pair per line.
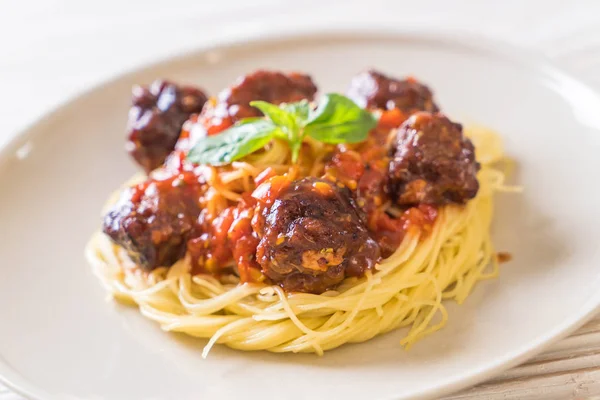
(305,234)
(164,180)
(364,169)
(503,257)
(216,117)
(229,240)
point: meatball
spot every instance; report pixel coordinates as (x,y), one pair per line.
(154,219)
(232,103)
(372,89)
(155,120)
(432,163)
(313,236)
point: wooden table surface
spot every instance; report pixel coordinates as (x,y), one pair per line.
(569,369)
(58,48)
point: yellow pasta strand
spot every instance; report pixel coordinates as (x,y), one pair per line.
(406,289)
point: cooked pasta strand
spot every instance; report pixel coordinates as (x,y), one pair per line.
(405,289)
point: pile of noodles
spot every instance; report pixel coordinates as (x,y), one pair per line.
(406,289)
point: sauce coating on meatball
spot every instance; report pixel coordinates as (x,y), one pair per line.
(313,236)
(233,103)
(372,89)
(154,219)
(432,163)
(155,120)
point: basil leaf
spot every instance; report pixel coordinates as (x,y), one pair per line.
(249,120)
(338,119)
(233,143)
(288,118)
(301,109)
(280,117)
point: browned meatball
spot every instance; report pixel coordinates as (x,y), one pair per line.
(270,86)
(232,104)
(153,220)
(433,163)
(372,89)
(155,120)
(313,237)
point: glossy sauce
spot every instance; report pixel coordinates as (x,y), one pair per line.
(305,234)
(364,168)
(503,257)
(228,241)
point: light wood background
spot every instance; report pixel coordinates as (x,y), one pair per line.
(51,50)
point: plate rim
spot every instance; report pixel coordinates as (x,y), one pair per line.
(266,35)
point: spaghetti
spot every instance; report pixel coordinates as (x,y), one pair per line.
(405,289)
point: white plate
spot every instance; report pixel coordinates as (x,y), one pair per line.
(59,338)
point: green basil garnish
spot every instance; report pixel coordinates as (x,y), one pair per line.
(233,143)
(337,119)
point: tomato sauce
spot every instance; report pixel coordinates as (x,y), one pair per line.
(229,241)
(364,169)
